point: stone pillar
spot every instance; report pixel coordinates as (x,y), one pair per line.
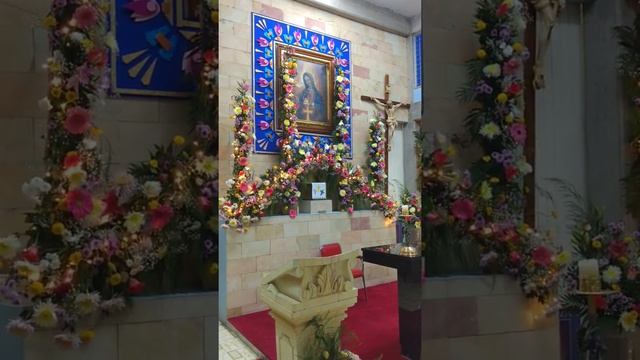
(605,105)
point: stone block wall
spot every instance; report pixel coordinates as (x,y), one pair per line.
(374,53)
(485,317)
(274,241)
(131,124)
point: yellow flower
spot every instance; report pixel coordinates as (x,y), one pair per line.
(237,110)
(133,221)
(71,96)
(36,288)
(153,163)
(502,98)
(50,21)
(623,260)
(58,229)
(87,44)
(563,258)
(153,204)
(596,244)
(213,269)
(480,25)
(494,180)
(518,47)
(95,132)
(627,239)
(75,258)
(481,54)
(509,118)
(115,279)
(56,92)
(287,123)
(628,320)
(86,335)
(486,158)
(178,140)
(343,193)
(45,316)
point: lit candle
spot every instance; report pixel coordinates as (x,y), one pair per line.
(589,275)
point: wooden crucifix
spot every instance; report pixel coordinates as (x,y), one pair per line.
(389,107)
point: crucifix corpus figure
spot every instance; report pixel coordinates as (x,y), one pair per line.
(548,10)
(389,107)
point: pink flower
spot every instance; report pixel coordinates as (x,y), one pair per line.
(264,125)
(515,257)
(79,203)
(433,217)
(541,256)
(511,66)
(160,217)
(243,161)
(518,132)
(288,88)
(244,187)
(85,16)
(78,120)
(293,213)
(463,209)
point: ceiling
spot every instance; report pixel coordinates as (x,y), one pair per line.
(406,8)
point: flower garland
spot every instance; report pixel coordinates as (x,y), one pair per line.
(496,84)
(409,212)
(629,60)
(91,242)
(377,146)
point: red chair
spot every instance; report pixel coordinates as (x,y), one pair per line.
(335,249)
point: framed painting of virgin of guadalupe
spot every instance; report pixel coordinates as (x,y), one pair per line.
(313,91)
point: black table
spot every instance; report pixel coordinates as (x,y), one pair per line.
(409,292)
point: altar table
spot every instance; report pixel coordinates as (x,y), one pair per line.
(409,293)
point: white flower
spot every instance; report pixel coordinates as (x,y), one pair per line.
(54,260)
(9,247)
(113,305)
(134,221)
(628,320)
(56,81)
(89,144)
(44,315)
(27,270)
(76,36)
(35,187)
(507,51)
(45,104)
(19,327)
(524,167)
(207,165)
(87,303)
(68,341)
(152,189)
(611,274)
(230,182)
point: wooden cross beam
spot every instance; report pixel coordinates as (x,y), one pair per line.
(388,107)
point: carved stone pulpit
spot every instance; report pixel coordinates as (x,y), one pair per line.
(304,289)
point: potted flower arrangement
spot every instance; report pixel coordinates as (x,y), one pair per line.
(326,343)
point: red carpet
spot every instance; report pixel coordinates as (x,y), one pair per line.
(370,330)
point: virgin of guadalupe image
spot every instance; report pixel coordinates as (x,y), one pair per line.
(311,106)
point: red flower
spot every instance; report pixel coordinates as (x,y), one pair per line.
(514,89)
(160,217)
(510,172)
(135,286)
(541,256)
(293,213)
(515,257)
(97,57)
(112,207)
(503,9)
(85,16)
(440,158)
(71,159)
(78,120)
(601,302)
(617,249)
(433,217)
(463,209)
(210,57)
(79,203)
(243,161)
(30,254)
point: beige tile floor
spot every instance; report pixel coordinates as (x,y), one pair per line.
(231,347)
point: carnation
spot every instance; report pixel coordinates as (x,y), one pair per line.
(78,120)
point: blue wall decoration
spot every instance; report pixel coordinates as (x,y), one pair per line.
(417,46)
(157,54)
(266,33)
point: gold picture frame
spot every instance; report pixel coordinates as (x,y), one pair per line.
(313,93)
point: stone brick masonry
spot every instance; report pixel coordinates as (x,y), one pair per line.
(274,241)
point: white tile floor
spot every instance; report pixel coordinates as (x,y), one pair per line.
(230,347)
